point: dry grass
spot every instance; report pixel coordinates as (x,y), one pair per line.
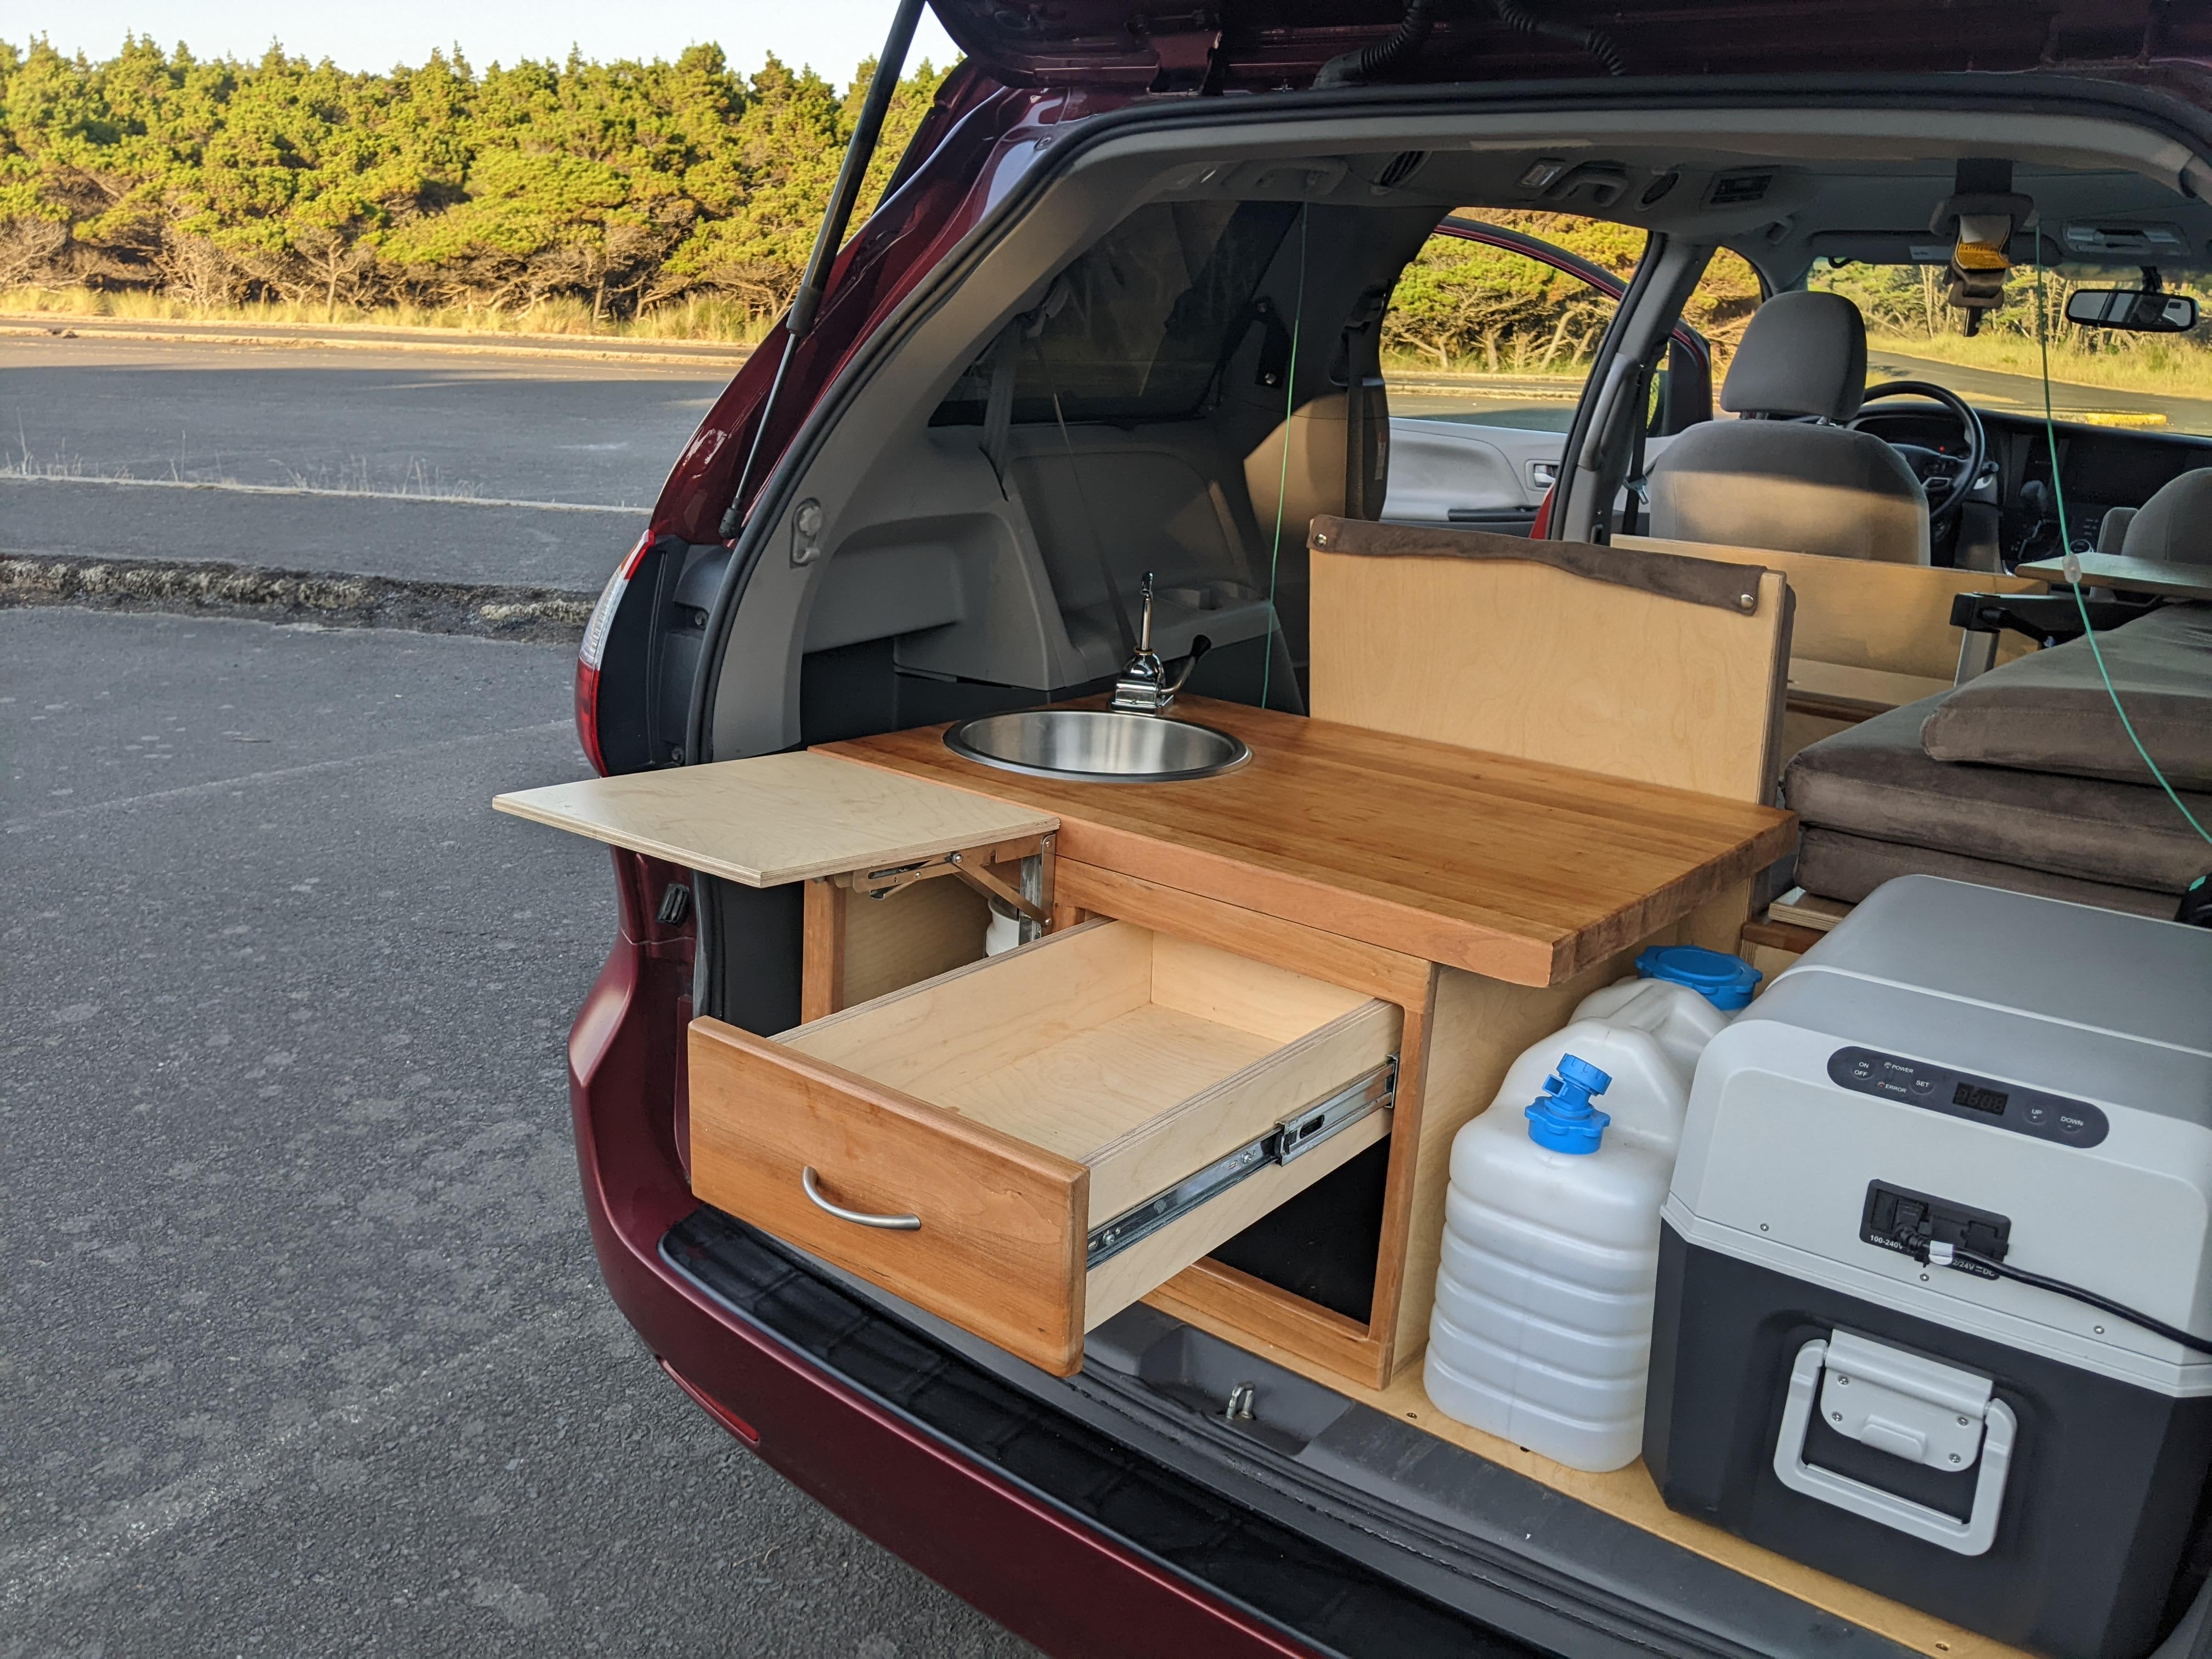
(692,319)
(2170,368)
(1417,366)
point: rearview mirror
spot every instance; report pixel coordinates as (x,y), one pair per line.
(2132,308)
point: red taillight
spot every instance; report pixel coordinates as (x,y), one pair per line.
(588,716)
(592,651)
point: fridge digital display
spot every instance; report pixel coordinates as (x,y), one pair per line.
(1975,1098)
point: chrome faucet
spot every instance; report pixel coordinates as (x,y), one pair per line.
(1143,687)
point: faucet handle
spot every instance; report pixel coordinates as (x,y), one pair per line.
(1145,633)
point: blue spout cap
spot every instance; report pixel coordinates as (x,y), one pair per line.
(1562,1118)
(1724,980)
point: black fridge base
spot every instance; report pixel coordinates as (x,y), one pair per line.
(2099,1544)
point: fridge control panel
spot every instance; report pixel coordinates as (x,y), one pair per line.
(1975,1099)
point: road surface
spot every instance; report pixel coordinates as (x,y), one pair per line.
(405,463)
(303,1349)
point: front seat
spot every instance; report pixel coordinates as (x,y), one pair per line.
(2174,527)
(1771,480)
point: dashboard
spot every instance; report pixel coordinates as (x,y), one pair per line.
(2100,468)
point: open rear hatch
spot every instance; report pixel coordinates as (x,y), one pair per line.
(1274,45)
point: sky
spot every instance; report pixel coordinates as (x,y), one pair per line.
(830,35)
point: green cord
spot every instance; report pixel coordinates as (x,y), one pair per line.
(1282,483)
(2065,541)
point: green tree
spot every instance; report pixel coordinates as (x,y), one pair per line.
(621,186)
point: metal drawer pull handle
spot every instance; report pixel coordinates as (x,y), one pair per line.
(897,1223)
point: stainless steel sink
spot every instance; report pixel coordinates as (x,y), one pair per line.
(1097,745)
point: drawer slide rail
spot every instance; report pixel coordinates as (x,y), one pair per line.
(1291,1137)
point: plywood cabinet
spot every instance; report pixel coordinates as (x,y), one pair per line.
(1258,944)
(1027,1145)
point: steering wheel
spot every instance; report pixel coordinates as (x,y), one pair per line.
(1946,478)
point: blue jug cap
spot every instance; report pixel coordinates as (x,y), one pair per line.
(1724,980)
(1562,1118)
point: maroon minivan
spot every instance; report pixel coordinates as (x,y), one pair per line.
(1125,244)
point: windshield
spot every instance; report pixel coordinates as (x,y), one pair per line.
(2099,377)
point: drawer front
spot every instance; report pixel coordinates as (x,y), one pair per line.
(999,1250)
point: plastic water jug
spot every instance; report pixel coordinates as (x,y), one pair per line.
(1542,1329)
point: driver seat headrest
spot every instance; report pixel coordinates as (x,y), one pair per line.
(1804,354)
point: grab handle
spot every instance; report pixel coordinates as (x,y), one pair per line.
(896,1224)
(1972,1536)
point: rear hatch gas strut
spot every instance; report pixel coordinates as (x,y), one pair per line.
(799,321)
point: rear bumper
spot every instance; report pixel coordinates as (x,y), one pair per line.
(1024,1559)
(1081,1545)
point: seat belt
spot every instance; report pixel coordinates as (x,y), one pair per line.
(1638,482)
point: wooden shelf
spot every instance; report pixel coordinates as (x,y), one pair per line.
(777,819)
(1799,909)
(2126,576)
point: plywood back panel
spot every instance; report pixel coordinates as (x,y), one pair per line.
(918,933)
(1522,659)
(1863,614)
(1253,996)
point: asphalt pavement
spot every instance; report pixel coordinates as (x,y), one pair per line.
(460,467)
(2022,394)
(302,1348)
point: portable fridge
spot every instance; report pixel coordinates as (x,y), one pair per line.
(1957,1085)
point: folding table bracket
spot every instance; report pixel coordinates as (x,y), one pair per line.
(1032,900)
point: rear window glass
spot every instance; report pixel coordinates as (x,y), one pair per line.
(1139,327)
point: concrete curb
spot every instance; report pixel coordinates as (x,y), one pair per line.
(544,616)
(55,325)
(228,487)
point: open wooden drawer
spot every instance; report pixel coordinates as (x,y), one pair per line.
(1026,1145)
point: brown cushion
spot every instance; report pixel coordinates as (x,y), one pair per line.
(1839,866)
(1874,780)
(2050,713)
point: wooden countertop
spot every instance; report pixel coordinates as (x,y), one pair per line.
(1516,869)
